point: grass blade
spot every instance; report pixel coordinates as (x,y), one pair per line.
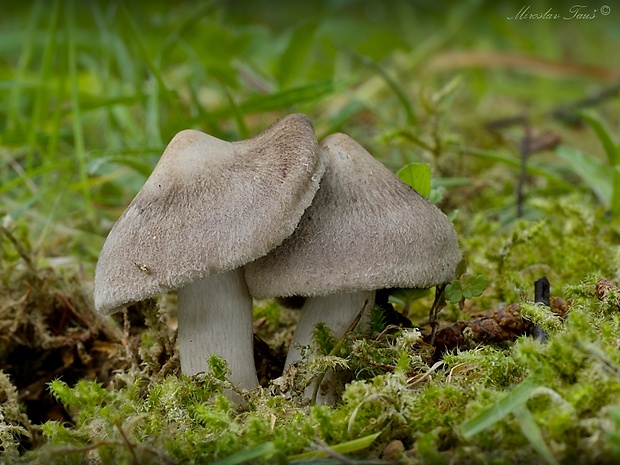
(186,27)
(515,399)
(512,161)
(292,60)
(304,93)
(611,149)
(246,455)
(244,131)
(155,70)
(392,84)
(347,447)
(78,129)
(276,101)
(613,156)
(591,171)
(615,197)
(14,117)
(41,96)
(135,163)
(530,430)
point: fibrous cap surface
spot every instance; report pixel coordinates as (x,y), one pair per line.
(365,229)
(209,206)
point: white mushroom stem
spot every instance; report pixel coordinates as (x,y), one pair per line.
(215,318)
(337,311)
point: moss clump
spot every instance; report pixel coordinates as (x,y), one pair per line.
(14,423)
(398,394)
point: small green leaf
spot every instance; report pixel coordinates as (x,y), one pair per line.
(454,291)
(461,268)
(418,176)
(475,286)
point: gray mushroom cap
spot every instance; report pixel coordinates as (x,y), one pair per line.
(209,206)
(365,230)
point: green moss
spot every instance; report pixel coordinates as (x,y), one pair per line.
(397,391)
(14,424)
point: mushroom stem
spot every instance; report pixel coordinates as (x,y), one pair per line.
(215,318)
(337,311)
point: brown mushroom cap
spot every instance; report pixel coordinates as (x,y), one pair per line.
(209,206)
(365,229)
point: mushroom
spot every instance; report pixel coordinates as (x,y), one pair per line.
(208,208)
(365,230)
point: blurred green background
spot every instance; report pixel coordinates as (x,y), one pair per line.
(91,92)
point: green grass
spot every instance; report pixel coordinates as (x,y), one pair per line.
(90,94)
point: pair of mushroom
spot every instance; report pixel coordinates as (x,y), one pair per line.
(276,215)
